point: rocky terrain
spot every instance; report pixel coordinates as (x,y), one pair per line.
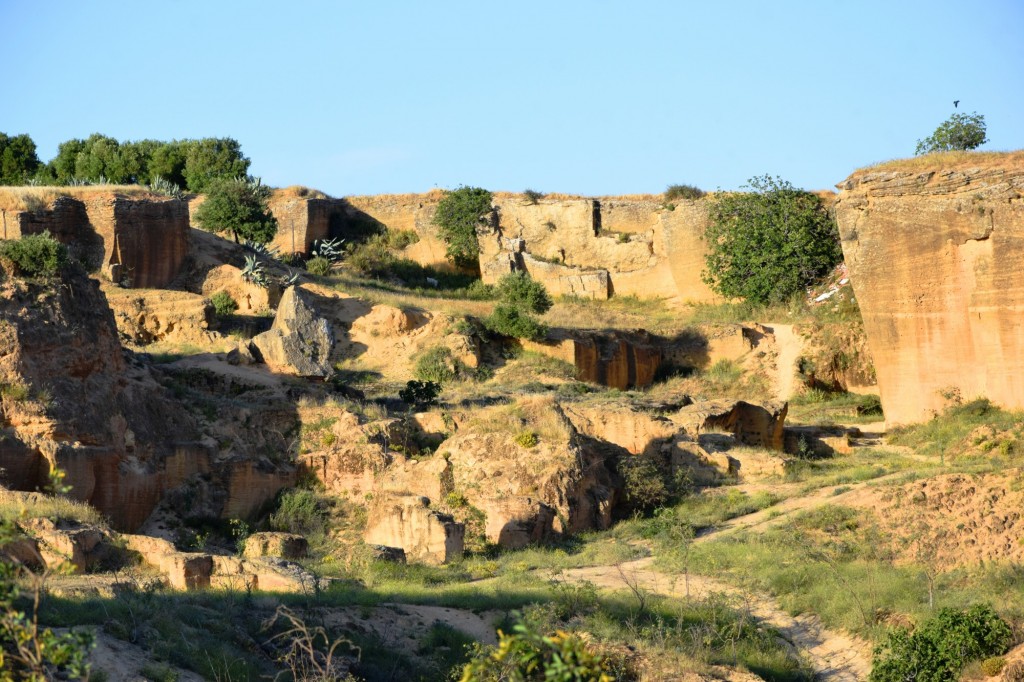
(694,497)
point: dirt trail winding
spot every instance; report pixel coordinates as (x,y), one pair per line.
(834,656)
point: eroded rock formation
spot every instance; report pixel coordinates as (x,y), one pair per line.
(934,259)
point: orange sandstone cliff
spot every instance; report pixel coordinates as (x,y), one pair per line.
(934,247)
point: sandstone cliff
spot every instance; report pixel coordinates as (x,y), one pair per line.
(933,253)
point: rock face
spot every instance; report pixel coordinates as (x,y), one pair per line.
(593,248)
(758,425)
(616,359)
(145,316)
(80,408)
(407,522)
(300,342)
(138,241)
(301,219)
(934,258)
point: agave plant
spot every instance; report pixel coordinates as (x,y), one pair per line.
(331,249)
(161,185)
(292,278)
(254,273)
(261,249)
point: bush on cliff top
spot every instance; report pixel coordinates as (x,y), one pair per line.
(38,255)
(769,244)
(959,132)
(458,214)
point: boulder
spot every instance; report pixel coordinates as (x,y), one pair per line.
(406,521)
(79,545)
(300,341)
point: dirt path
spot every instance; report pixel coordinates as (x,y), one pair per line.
(833,656)
(788,346)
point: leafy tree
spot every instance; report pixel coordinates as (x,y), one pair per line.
(458,214)
(63,165)
(18,160)
(768,244)
(942,647)
(168,162)
(238,206)
(957,133)
(211,158)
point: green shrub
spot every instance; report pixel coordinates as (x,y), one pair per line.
(769,244)
(458,214)
(303,512)
(37,255)
(940,648)
(223,304)
(455,500)
(677,192)
(438,365)
(527,439)
(518,289)
(646,485)
(510,321)
(528,654)
(420,393)
(318,265)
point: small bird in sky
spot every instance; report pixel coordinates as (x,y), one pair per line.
(955,103)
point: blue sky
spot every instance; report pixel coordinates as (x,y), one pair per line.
(593,97)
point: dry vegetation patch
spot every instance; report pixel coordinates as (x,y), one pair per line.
(952,520)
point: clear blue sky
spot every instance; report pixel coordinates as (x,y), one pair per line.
(586,96)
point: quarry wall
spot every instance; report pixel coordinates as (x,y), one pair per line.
(141,241)
(934,255)
(594,248)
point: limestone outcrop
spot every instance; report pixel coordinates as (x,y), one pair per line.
(933,255)
(407,522)
(201,570)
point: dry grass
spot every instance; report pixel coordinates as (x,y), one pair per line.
(539,414)
(18,505)
(40,198)
(949,161)
(620,312)
(371,291)
(299,192)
